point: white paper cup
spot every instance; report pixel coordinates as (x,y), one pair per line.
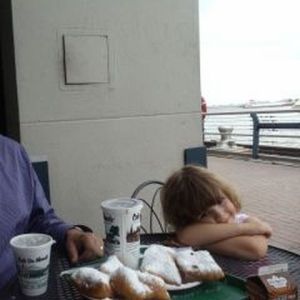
(122,219)
(32,252)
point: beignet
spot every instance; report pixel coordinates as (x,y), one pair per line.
(111,265)
(92,283)
(197,265)
(133,285)
(159,260)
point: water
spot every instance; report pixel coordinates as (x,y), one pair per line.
(243,126)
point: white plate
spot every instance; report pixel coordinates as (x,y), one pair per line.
(183,286)
(170,287)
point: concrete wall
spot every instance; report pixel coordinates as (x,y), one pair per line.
(103,139)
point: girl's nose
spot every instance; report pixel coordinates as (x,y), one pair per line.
(223,217)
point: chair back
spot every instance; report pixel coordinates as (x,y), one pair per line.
(40,166)
(195,156)
(150,190)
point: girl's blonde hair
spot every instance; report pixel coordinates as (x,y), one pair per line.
(190,191)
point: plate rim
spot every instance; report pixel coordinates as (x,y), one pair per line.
(183,286)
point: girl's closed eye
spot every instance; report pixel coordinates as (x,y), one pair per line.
(201,216)
(207,217)
(223,212)
(222,201)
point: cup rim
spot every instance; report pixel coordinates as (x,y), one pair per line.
(138,203)
(12,241)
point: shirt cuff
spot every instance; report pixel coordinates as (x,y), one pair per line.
(83,228)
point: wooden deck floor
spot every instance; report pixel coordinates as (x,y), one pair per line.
(270,191)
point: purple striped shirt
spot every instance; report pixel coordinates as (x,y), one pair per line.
(23,205)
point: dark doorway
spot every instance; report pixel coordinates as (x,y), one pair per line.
(9,110)
(2,109)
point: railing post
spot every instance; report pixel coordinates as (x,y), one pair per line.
(255,135)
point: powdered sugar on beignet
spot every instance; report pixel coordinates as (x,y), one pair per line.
(134,285)
(126,284)
(90,276)
(92,283)
(111,265)
(159,260)
(156,284)
(197,265)
(149,279)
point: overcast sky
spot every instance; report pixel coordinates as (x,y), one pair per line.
(249,49)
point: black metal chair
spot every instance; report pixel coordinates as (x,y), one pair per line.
(154,187)
(41,169)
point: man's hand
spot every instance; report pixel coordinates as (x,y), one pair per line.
(83,246)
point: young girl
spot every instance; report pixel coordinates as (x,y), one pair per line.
(205,212)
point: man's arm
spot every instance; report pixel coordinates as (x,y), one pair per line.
(43,217)
(79,244)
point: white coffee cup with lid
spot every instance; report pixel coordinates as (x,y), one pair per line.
(32,252)
(122,219)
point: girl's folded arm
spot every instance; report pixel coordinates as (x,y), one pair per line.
(243,247)
(201,234)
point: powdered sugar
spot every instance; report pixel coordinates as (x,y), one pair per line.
(111,265)
(132,279)
(190,261)
(150,279)
(90,276)
(159,260)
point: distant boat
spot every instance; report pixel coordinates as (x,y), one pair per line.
(297,104)
(270,104)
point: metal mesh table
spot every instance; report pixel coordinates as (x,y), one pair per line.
(62,289)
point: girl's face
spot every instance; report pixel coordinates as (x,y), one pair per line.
(224,212)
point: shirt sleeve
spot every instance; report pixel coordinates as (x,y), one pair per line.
(240,218)
(43,218)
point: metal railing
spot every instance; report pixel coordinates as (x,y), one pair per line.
(255,129)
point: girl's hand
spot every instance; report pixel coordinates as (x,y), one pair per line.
(258,227)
